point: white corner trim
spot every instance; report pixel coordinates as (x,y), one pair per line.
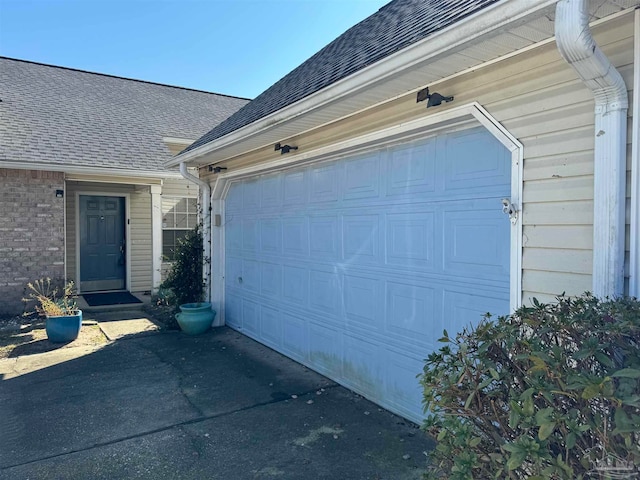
(156,237)
(464,115)
(634,254)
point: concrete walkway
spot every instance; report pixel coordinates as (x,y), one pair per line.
(169,406)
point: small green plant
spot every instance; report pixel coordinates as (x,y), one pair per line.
(52,300)
(550,392)
(185,279)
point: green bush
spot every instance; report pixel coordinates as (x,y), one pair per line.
(184,280)
(550,392)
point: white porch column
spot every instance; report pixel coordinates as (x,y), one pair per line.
(156,236)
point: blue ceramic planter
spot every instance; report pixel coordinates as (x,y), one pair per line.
(195,318)
(64,329)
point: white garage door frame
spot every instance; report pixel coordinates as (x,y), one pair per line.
(458,118)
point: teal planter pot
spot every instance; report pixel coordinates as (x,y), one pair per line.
(195,318)
(64,329)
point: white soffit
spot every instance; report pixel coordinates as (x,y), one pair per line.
(522,33)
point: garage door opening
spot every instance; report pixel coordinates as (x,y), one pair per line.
(354,266)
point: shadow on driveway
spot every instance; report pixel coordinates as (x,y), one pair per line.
(216,406)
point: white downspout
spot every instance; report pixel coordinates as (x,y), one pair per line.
(578,48)
(205,192)
(634,255)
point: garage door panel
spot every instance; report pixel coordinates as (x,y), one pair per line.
(410,240)
(294,337)
(468,307)
(362,177)
(362,299)
(295,236)
(324,237)
(481,161)
(250,234)
(324,183)
(476,244)
(250,279)
(251,317)
(233,310)
(295,188)
(271,279)
(233,233)
(360,239)
(410,169)
(251,195)
(271,236)
(403,391)
(364,366)
(295,285)
(324,294)
(271,192)
(325,349)
(233,200)
(271,326)
(410,309)
(355,266)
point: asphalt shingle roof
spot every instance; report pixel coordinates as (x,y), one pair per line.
(62,116)
(395,26)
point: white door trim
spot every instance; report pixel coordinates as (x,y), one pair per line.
(127,227)
(457,117)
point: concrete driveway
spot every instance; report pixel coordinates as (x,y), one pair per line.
(169,406)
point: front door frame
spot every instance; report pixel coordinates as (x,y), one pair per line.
(457,117)
(127,230)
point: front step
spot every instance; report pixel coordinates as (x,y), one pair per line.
(85,307)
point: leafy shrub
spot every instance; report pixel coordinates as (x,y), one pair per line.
(184,280)
(552,391)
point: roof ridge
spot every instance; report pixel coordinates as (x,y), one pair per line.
(122,78)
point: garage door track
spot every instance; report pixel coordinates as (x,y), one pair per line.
(216,406)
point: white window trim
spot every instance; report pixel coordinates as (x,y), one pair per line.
(163,228)
(462,116)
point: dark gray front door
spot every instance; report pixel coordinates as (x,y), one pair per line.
(102,243)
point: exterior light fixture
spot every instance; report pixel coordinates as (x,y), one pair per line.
(283,148)
(216,169)
(434,99)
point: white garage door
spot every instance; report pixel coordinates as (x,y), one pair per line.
(355,266)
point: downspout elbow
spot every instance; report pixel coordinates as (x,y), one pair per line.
(205,191)
(579,49)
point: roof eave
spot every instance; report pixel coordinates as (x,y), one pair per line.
(96,171)
(491,19)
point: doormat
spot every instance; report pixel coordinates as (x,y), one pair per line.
(109,298)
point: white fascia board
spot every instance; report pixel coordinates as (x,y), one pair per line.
(91,171)
(494,18)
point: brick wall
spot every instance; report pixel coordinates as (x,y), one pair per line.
(31,232)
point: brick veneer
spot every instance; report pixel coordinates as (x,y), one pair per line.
(31,232)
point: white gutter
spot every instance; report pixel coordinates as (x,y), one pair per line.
(205,191)
(634,254)
(494,18)
(578,48)
(87,170)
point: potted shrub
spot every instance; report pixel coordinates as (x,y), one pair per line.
(63,317)
(185,280)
